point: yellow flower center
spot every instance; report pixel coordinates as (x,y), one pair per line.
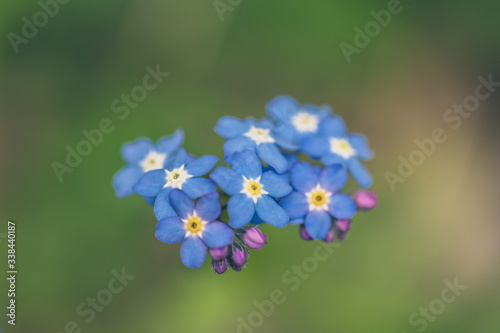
(341,147)
(254,187)
(318,198)
(194,225)
(344,146)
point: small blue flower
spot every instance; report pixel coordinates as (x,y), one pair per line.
(194,226)
(334,144)
(294,121)
(252,191)
(142,156)
(316,198)
(252,134)
(181,173)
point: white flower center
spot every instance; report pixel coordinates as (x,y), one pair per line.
(341,147)
(318,198)
(305,122)
(253,188)
(153,161)
(259,135)
(194,225)
(177,177)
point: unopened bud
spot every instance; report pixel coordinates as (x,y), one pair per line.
(365,199)
(219,266)
(254,238)
(219,254)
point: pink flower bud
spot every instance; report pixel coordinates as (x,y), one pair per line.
(365,200)
(218,254)
(220,266)
(330,236)
(239,256)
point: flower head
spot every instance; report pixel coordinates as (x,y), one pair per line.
(194,226)
(252,191)
(334,145)
(180,173)
(143,156)
(257,136)
(316,199)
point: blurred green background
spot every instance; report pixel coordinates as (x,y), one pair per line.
(441,223)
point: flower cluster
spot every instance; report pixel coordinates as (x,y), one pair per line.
(266,181)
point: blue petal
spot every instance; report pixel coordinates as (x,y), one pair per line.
(314,146)
(208,207)
(286,136)
(217,234)
(247,164)
(240,209)
(359,173)
(133,152)
(341,206)
(321,111)
(360,144)
(318,223)
(151,183)
(296,221)
(162,207)
(201,165)
(170,143)
(196,187)
(228,180)
(330,159)
(177,160)
(269,211)
(193,252)
(333,126)
(282,107)
(235,145)
(295,204)
(229,127)
(269,153)
(333,178)
(260,123)
(303,177)
(170,230)
(125,179)
(291,158)
(150,200)
(182,203)
(276,185)
(256,219)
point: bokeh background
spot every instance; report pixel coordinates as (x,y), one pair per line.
(441,223)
